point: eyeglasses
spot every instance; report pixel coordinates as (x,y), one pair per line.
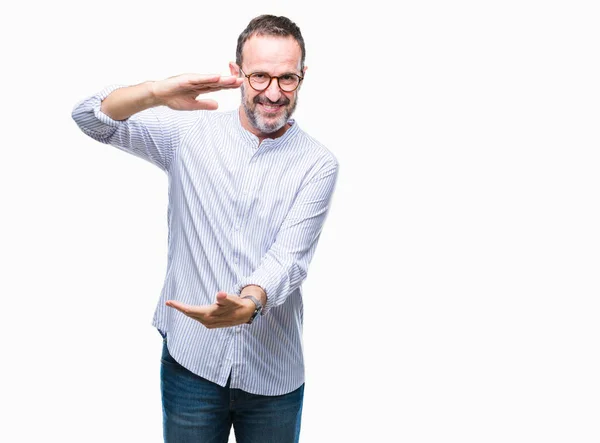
(259,81)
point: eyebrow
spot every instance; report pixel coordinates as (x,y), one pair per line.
(265,72)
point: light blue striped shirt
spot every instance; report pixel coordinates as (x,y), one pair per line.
(239,213)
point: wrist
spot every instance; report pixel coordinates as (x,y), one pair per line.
(151,99)
(256,291)
(256,306)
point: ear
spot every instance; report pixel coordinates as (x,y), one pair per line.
(234,69)
(303,74)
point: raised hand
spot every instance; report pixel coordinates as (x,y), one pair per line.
(181,92)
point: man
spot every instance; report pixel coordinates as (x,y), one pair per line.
(249,192)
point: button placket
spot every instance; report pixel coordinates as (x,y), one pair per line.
(242,194)
(245,183)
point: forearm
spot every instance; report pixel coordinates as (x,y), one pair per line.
(125,102)
(280,274)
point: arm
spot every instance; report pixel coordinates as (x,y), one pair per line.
(180,93)
(139,119)
(284,267)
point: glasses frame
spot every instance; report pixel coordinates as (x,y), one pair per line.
(271,77)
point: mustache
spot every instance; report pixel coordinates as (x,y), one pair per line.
(283,101)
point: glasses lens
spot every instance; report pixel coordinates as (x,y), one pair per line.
(259,81)
(289,82)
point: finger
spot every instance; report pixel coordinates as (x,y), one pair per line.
(236,84)
(202,78)
(177,305)
(194,103)
(216,86)
(231,82)
(189,310)
(229,79)
(212,80)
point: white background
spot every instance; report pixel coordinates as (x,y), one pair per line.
(454,293)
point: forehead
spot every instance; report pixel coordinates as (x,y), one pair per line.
(269,52)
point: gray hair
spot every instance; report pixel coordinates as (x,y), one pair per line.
(270,25)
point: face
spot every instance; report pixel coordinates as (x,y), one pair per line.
(267,112)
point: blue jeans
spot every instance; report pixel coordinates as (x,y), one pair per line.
(197,410)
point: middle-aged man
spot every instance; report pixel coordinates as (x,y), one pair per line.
(249,192)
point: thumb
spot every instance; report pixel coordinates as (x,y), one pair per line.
(207,104)
(221,298)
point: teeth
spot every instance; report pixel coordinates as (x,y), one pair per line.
(271,107)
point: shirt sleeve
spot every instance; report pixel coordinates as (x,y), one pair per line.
(153,134)
(284,267)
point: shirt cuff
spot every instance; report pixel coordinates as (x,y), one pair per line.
(264,286)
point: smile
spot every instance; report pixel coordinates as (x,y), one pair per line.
(270,108)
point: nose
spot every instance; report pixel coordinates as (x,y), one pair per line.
(273,92)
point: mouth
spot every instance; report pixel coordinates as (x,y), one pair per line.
(270,108)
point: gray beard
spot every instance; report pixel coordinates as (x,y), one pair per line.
(257,121)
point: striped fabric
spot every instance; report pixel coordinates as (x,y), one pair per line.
(239,213)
